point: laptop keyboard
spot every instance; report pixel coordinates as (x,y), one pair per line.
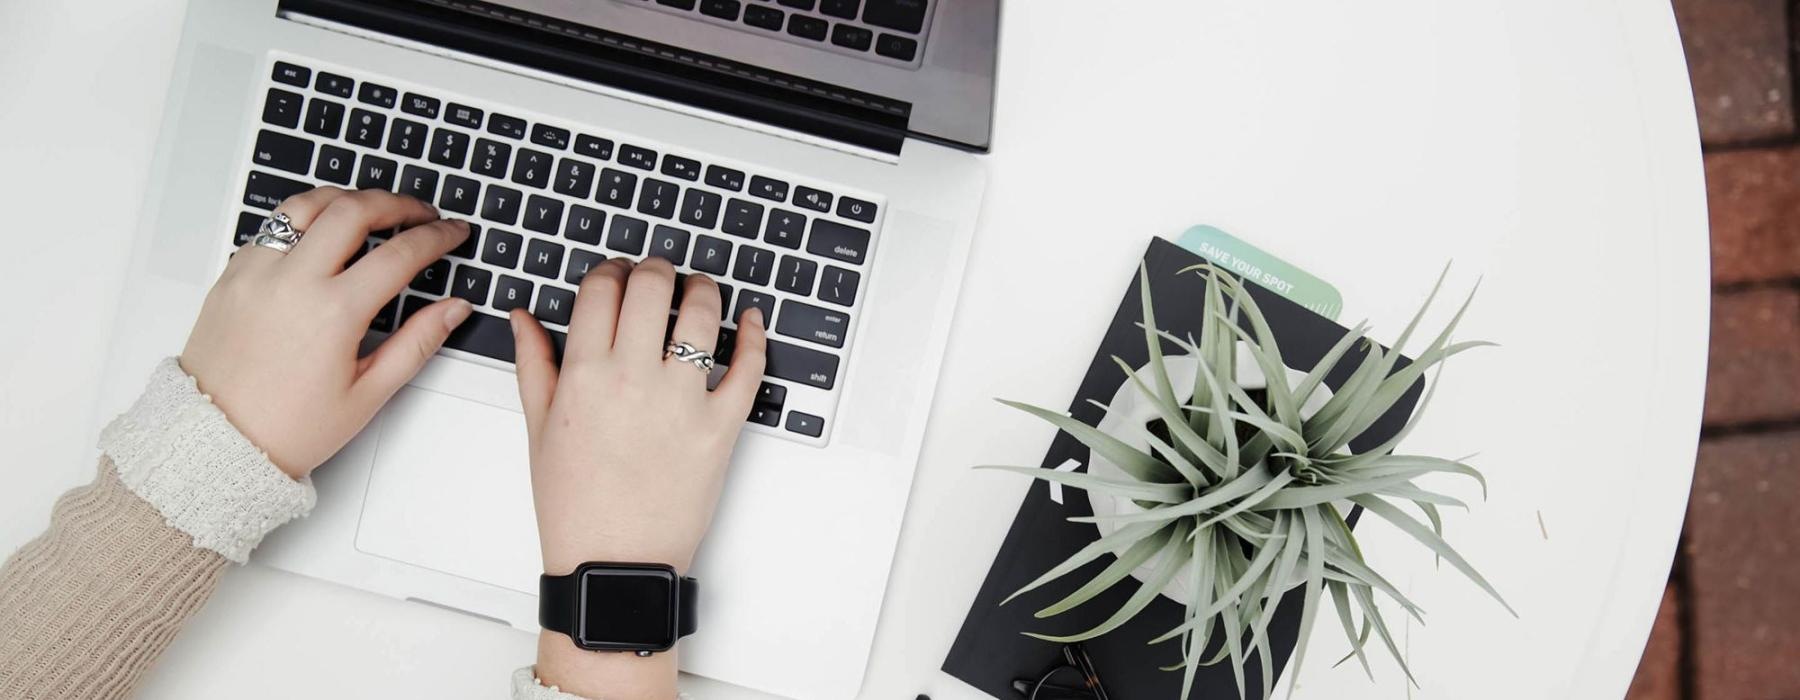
(549,199)
(887,31)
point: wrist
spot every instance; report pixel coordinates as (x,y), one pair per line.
(560,561)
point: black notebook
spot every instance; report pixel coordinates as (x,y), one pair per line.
(991,650)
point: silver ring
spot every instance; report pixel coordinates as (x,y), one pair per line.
(277,233)
(686,352)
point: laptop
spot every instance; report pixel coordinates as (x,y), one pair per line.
(819,158)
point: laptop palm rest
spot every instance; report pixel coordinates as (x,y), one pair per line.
(450,490)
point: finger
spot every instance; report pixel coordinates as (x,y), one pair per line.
(401,356)
(698,322)
(737,390)
(301,210)
(346,222)
(596,314)
(380,275)
(644,314)
(535,359)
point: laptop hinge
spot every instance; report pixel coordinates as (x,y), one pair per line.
(661,72)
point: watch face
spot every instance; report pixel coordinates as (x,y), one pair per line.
(628,609)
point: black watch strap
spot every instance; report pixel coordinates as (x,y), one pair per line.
(559,603)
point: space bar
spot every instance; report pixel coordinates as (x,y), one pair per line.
(491,336)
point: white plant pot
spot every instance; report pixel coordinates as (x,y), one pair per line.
(1130,410)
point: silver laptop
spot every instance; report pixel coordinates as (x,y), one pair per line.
(816,157)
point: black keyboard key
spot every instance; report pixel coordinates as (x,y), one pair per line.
(550,136)
(636,157)
(491,158)
(763,17)
(366,128)
(853,208)
(247,226)
(842,9)
(501,204)
(471,283)
(838,285)
(533,167)
(742,218)
(816,200)
(805,365)
(543,214)
(771,394)
(290,74)
(765,415)
(627,235)
(387,318)
(501,249)
(434,279)
(724,309)
(584,225)
(504,125)
(593,147)
(376,173)
(616,188)
(463,115)
(813,323)
(574,178)
(711,255)
(679,4)
(466,249)
(659,198)
(420,105)
(671,244)
(795,275)
(897,47)
(554,305)
(334,84)
(806,27)
(851,36)
(484,334)
(723,9)
(760,300)
(581,262)
(449,147)
(418,183)
(378,95)
(511,293)
(460,194)
(768,188)
(754,265)
(834,240)
(282,152)
(684,168)
(904,15)
(700,208)
(799,4)
(282,108)
(805,424)
(786,228)
(407,138)
(725,178)
(543,258)
(324,118)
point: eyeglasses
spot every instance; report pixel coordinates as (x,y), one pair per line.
(1072,679)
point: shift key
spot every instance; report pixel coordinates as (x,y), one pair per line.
(798,364)
(808,322)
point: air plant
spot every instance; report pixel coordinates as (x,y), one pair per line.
(1246,495)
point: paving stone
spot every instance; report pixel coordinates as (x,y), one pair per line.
(1753,198)
(1753,369)
(1743,531)
(1659,673)
(1737,53)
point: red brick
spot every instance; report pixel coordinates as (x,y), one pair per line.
(1737,53)
(1754,202)
(1753,371)
(1659,673)
(1743,532)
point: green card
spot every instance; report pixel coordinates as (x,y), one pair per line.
(1266,270)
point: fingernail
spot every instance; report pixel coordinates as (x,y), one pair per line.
(514,321)
(754,315)
(459,312)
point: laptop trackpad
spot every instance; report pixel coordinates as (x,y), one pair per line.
(450,490)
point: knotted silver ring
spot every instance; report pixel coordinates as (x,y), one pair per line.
(686,352)
(277,233)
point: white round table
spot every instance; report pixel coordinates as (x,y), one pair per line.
(1546,146)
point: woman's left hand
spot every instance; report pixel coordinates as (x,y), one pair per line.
(276,342)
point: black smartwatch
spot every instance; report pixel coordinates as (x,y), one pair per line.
(605,606)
